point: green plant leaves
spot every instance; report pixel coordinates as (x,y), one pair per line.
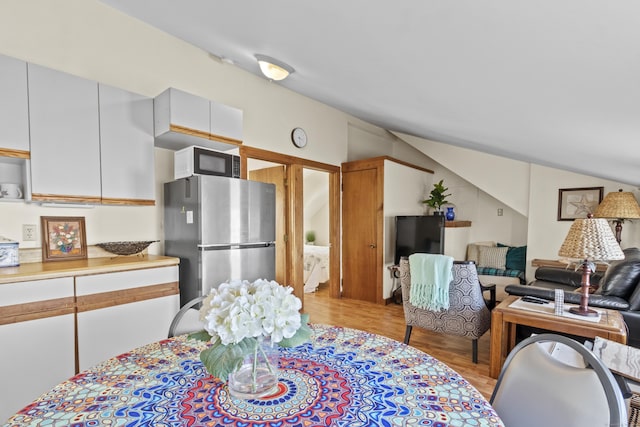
(220,360)
(302,335)
(200,336)
(437,196)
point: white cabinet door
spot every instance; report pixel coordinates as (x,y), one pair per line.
(65,145)
(14,110)
(118,311)
(226,122)
(126,147)
(182,119)
(175,108)
(38,353)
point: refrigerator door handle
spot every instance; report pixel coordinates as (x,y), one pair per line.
(217,247)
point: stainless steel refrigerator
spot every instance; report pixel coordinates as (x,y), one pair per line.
(221,229)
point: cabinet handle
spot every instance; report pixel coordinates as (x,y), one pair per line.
(372,246)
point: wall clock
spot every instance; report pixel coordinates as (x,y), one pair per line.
(299,137)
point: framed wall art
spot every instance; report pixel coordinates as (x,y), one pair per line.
(578,202)
(63,238)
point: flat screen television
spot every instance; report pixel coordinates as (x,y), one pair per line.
(419,234)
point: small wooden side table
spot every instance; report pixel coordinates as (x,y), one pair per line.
(504,320)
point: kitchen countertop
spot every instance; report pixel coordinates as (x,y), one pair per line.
(49,270)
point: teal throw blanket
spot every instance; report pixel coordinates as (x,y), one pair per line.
(430,278)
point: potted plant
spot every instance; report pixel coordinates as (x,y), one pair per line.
(311,237)
(437,197)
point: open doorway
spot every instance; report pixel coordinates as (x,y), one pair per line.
(292,260)
(316,230)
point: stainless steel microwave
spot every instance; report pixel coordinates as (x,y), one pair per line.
(202,161)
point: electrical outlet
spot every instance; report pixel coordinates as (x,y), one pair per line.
(28,232)
(499,211)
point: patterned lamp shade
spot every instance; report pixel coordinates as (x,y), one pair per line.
(591,239)
(618,205)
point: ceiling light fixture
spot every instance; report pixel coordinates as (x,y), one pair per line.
(272,68)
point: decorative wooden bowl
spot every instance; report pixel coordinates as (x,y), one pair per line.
(125,248)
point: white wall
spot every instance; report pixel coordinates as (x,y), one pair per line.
(506,179)
(316,205)
(91,40)
(546,233)
(538,227)
(404,189)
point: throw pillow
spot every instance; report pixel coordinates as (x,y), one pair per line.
(516,257)
(492,257)
(472,250)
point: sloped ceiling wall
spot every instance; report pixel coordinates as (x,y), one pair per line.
(505,179)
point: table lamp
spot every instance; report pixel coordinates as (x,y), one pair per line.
(589,239)
(618,206)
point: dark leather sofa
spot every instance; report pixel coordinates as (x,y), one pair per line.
(618,289)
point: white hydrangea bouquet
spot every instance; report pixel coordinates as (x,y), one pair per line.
(238,313)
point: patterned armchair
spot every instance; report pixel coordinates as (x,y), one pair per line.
(468,314)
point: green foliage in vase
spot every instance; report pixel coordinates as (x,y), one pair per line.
(437,197)
(238,315)
(222,359)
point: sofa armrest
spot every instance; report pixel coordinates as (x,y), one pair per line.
(632,319)
(595,300)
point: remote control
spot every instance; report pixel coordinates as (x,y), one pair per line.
(534,300)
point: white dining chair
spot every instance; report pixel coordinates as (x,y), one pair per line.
(187,319)
(537,389)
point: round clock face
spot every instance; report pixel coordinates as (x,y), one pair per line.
(299,137)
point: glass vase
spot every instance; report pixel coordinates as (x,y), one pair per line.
(450,214)
(258,375)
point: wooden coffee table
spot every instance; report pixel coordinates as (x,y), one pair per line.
(504,320)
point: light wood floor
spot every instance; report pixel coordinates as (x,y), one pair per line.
(389,321)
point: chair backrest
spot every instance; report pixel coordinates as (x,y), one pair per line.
(467,315)
(187,319)
(536,389)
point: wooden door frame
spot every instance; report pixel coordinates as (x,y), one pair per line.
(295,225)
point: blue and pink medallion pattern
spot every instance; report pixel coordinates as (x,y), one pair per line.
(344,377)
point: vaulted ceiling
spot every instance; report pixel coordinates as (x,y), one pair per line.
(552,82)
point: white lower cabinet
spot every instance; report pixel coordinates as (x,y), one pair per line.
(121,311)
(36,340)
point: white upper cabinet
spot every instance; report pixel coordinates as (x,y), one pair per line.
(126,147)
(14,109)
(65,144)
(177,109)
(183,119)
(226,123)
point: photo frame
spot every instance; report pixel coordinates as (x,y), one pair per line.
(578,202)
(63,238)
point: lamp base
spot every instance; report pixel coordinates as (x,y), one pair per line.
(586,312)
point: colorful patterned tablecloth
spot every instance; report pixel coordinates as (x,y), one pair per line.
(344,377)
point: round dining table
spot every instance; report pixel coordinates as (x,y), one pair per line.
(342,377)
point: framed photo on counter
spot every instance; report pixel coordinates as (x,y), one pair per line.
(63,238)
